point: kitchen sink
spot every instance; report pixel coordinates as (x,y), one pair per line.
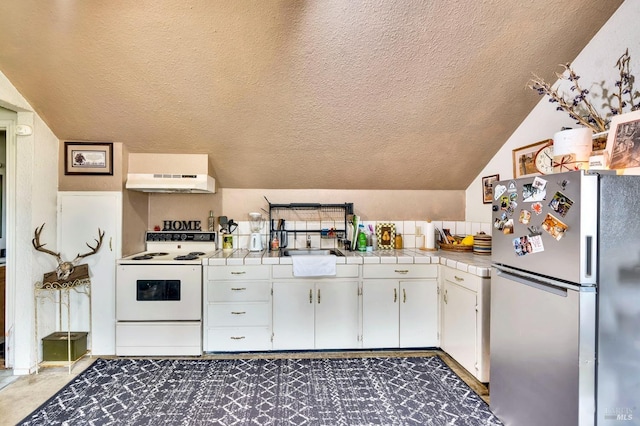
(310,251)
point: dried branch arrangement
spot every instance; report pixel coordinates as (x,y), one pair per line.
(577,104)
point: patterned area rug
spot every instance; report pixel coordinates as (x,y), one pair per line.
(326,391)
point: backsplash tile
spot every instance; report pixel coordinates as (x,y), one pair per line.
(412,232)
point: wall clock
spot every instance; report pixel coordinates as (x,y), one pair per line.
(544,159)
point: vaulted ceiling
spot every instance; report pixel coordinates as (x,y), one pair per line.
(329,94)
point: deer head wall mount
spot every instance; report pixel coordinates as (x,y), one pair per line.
(64,269)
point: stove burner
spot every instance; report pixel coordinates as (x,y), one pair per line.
(161,253)
(143,257)
(197,253)
(189,256)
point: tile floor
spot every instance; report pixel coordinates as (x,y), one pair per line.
(20,395)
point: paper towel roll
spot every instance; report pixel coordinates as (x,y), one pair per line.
(430,235)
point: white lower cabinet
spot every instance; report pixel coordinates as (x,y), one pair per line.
(237,308)
(399,314)
(310,314)
(419,313)
(465,320)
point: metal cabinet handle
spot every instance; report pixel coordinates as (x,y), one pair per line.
(237,337)
(404,295)
(238,273)
(110,241)
(395,295)
(458,278)
(445,296)
(401,271)
(238,313)
(238,288)
(318,296)
(310,295)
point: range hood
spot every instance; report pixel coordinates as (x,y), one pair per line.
(170,173)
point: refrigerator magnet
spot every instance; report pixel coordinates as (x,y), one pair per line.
(498,191)
(539,183)
(534,230)
(513,187)
(522,246)
(560,204)
(537,207)
(507,228)
(554,226)
(563,184)
(536,244)
(530,193)
(525,216)
(504,202)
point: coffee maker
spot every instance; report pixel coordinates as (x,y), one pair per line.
(256,222)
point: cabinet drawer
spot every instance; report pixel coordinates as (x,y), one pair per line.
(238,291)
(241,272)
(463,279)
(342,271)
(238,314)
(400,271)
(236,339)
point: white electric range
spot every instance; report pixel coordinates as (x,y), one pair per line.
(159,295)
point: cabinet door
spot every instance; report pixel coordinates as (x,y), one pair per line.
(293,315)
(80,214)
(418,313)
(336,309)
(380,314)
(459,324)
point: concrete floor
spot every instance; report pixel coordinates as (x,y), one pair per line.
(21,395)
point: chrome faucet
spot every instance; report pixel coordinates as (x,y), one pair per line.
(308,241)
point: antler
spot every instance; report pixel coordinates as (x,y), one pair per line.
(94,250)
(36,244)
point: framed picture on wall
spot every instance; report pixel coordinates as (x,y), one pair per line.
(487,188)
(623,141)
(524,159)
(88,158)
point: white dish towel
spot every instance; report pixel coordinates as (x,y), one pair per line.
(314,265)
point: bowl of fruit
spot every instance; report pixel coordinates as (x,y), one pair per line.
(456,242)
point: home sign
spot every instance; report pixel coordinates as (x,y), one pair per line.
(181,225)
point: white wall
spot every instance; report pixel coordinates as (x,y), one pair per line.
(32,171)
(596,63)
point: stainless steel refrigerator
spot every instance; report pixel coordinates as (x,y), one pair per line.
(565,300)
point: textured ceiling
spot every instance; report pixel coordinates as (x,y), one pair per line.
(329,94)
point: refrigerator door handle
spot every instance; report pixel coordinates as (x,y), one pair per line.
(537,281)
(588,254)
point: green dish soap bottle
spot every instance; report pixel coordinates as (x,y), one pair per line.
(362,241)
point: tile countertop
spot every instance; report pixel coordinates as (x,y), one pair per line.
(479,265)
